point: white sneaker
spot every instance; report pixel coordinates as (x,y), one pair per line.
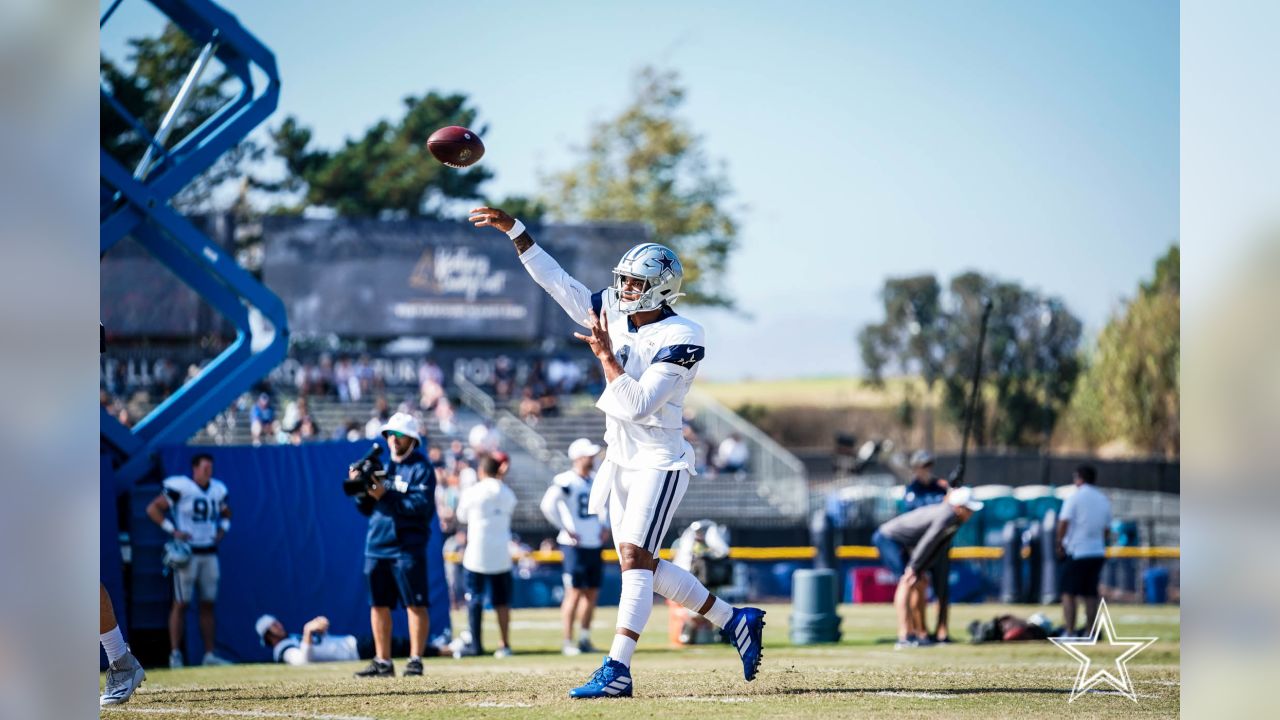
(175,659)
(570,649)
(211,659)
(502,652)
(123,677)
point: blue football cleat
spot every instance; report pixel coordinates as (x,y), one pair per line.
(613,679)
(746,630)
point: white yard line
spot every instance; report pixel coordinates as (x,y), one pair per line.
(916,695)
(715,699)
(214,712)
(498,705)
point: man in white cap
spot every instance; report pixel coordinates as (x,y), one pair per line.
(910,545)
(582,533)
(400,508)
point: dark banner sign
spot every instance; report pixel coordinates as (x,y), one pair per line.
(445,280)
(141,297)
(375,280)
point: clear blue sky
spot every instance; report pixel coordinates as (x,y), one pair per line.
(1035,141)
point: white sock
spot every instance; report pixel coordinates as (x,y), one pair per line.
(415,657)
(622,649)
(584,635)
(681,587)
(113,643)
(634,607)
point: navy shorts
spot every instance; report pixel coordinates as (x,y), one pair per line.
(401,580)
(891,553)
(1080,576)
(583,567)
(499,585)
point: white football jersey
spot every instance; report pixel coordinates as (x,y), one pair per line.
(644,410)
(565,506)
(325,648)
(196,510)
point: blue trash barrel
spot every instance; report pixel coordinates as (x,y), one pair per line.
(1155,582)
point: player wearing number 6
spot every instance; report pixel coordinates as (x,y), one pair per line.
(581,534)
(201,517)
(650,356)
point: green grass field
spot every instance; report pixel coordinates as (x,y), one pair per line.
(862,677)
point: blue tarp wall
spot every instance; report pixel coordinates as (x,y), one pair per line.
(296,545)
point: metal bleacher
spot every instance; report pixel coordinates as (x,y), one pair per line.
(772,493)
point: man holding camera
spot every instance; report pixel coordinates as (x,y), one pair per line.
(400,503)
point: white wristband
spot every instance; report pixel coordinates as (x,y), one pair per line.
(516,230)
(167,526)
(225,524)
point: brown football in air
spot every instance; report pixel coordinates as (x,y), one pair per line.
(455,146)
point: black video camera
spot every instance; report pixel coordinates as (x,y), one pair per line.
(370,471)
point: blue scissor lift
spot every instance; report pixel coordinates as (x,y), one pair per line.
(136,203)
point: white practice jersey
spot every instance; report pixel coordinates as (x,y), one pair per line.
(324,648)
(196,510)
(566,507)
(486,508)
(644,409)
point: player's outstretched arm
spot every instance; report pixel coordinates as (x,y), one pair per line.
(570,294)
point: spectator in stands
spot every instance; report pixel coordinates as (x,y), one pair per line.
(909,545)
(594,384)
(381,413)
(1083,535)
(429,371)
(733,455)
(343,377)
(262,420)
(701,448)
(503,378)
(400,511)
(445,416)
(295,412)
(429,394)
(467,475)
(926,489)
(316,644)
(484,438)
(486,510)
(304,432)
(530,409)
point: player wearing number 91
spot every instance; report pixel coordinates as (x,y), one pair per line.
(581,535)
(650,356)
(201,517)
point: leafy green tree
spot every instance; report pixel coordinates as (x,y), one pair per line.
(1030,362)
(388,170)
(647,166)
(146,84)
(1131,390)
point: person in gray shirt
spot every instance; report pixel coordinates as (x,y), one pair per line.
(909,545)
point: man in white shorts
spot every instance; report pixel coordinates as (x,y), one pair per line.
(581,534)
(201,517)
(649,356)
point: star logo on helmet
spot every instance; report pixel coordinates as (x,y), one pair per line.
(667,262)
